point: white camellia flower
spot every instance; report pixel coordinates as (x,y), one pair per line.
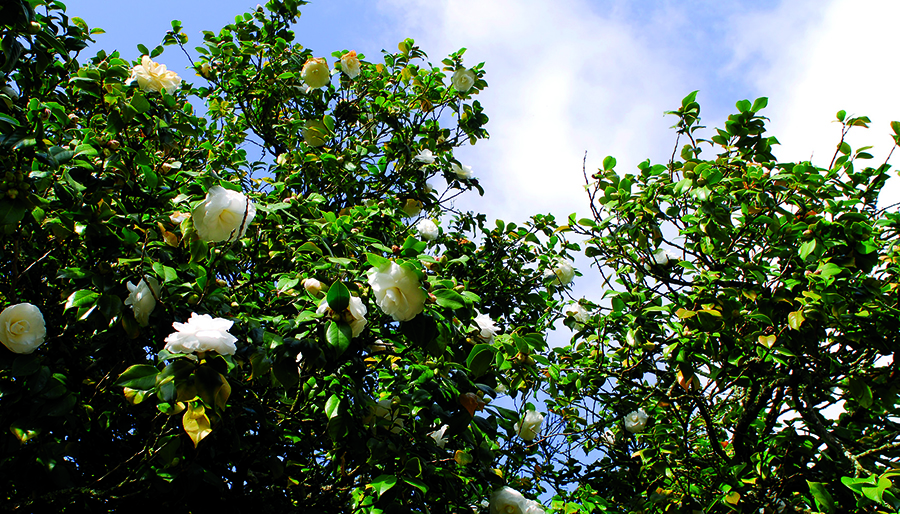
(428,230)
(384,409)
(315,72)
(315,133)
(152,76)
(508,501)
(501,388)
(178,217)
(350,64)
(354,315)
(636,421)
(530,426)
(662,256)
(142,299)
(563,272)
(462,171)
(438,436)
(22,328)
(223,216)
(425,157)
(487,328)
(463,80)
(312,286)
(533,507)
(202,333)
(397,290)
(577,311)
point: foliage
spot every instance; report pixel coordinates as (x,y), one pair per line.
(746,327)
(752,312)
(101,181)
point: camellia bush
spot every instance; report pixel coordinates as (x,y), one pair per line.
(270,306)
(743,355)
(273,305)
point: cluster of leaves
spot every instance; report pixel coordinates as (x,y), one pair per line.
(752,312)
(104,177)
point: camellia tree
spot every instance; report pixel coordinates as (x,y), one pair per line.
(264,307)
(743,355)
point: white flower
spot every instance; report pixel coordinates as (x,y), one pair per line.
(411,207)
(178,217)
(152,76)
(282,159)
(608,438)
(463,80)
(202,333)
(425,157)
(429,188)
(354,315)
(315,72)
(501,389)
(577,311)
(486,326)
(636,421)
(142,299)
(350,64)
(530,426)
(438,436)
(662,256)
(315,133)
(533,507)
(384,409)
(508,501)
(562,272)
(223,216)
(312,286)
(397,290)
(22,328)
(427,229)
(462,171)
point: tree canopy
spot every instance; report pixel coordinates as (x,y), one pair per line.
(274,305)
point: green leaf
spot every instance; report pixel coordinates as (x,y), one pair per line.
(338,335)
(480,359)
(338,297)
(139,376)
(807,248)
(164,272)
(139,103)
(383,483)
(822,497)
(11,211)
(861,392)
(759,104)
(795,319)
(743,106)
(332,406)
(377,261)
(609,162)
(449,299)
(80,299)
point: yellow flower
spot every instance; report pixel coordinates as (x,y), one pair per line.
(316,73)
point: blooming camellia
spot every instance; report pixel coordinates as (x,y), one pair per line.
(487,328)
(425,157)
(224,215)
(438,436)
(636,421)
(462,171)
(354,315)
(385,410)
(530,426)
(411,207)
(397,290)
(312,286)
(315,72)
(22,328)
(577,311)
(315,133)
(142,299)
(463,80)
(202,333)
(662,256)
(350,64)
(427,229)
(152,76)
(509,501)
(562,272)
